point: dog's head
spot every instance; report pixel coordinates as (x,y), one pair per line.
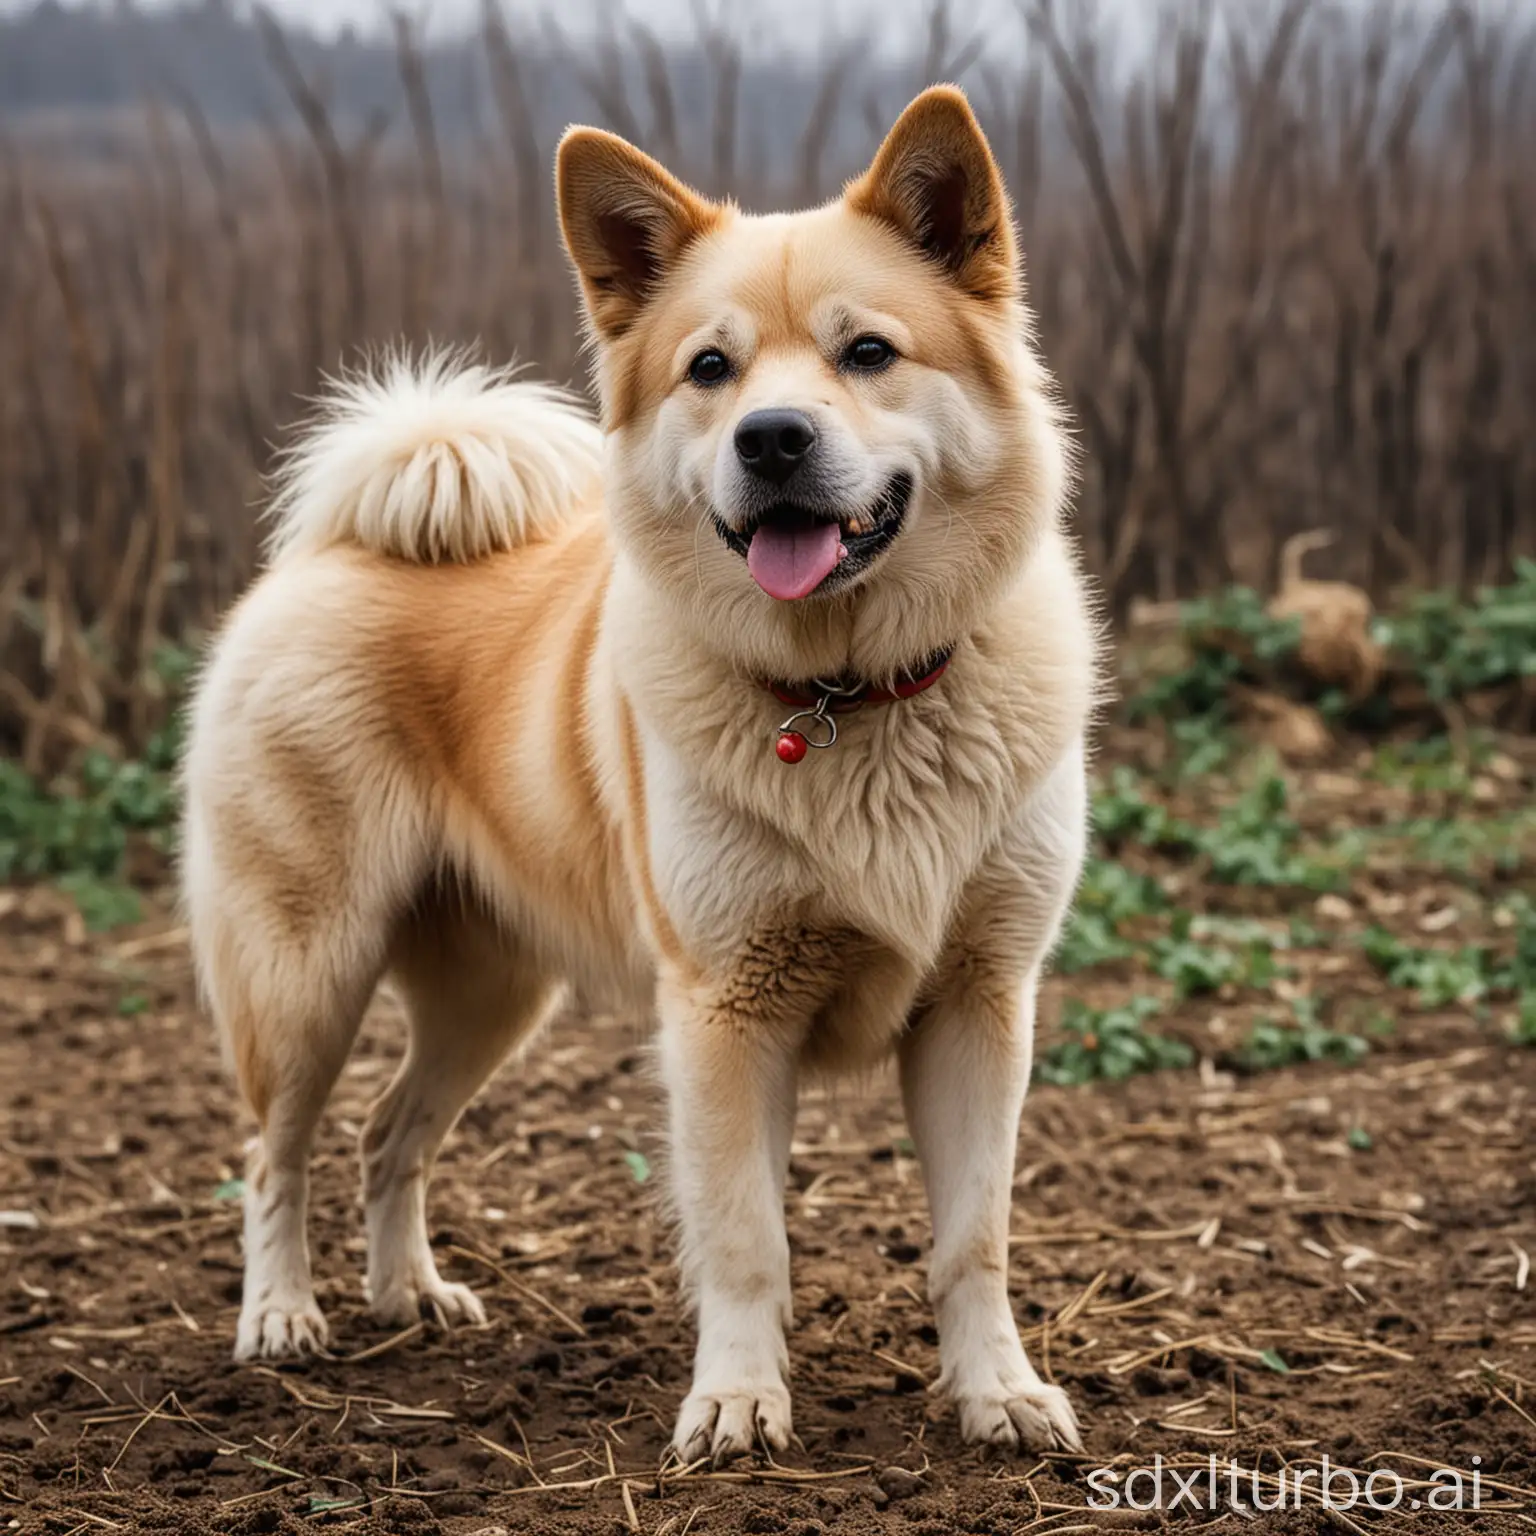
(830,438)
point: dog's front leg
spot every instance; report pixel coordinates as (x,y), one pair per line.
(730,1068)
(964,1069)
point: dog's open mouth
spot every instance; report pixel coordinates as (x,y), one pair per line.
(793,551)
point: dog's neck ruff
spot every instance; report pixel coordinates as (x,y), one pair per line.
(816,702)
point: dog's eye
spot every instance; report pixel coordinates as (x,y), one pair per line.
(709,367)
(868,353)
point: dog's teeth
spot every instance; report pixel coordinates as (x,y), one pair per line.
(842,551)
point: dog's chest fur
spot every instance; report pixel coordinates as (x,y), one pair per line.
(880,842)
(878,838)
(878,835)
(859,896)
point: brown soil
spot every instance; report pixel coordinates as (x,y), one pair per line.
(1168,1233)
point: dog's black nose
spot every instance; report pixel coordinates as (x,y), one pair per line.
(775,443)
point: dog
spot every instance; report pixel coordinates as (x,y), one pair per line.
(758,707)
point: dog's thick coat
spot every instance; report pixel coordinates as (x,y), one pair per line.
(494,724)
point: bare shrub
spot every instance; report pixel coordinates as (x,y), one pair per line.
(1285,266)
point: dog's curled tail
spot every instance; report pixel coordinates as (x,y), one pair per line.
(436,460)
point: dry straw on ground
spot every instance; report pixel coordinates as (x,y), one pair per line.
(1326,1259)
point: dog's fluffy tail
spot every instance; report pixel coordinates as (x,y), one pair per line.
(435,460)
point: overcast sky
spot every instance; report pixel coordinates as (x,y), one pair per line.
(778,26)
(782,24)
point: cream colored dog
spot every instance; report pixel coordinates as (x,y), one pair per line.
(506,717)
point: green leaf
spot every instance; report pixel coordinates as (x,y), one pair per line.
(1109,1043)
(638,1165)
(1275,1361)
(320,1506)
(102,903)
(1271,1045)
(1360,1139)
(230,1189)
(131,1004)
(1524,1032)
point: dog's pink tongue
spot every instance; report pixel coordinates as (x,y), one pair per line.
(792,562)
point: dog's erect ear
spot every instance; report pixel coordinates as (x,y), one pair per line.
(935,180)
(625,220)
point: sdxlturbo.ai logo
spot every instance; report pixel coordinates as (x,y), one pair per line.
(1211,1486)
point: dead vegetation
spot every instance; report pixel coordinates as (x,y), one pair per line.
(1285,265)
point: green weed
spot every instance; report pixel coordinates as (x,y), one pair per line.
(1524,1031)
(1453,646)
(1256,841)
(1436,765)
(76,832)
(102,903)
(1272,1044)
(1438,978)
(1442,978)
(1456,647)
(1195,967)
(1110,1044)
(1108,895)
(1123,814)
(1202,745)
(1089,939)
(1462,844)
(1517,974)
(1227,635)
(1303,933)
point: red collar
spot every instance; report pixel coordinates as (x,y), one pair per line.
(815,703)
(845,695)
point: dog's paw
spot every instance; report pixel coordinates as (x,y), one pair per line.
(1036,1418)
(275,1331)
(440,1300)
(727,1424)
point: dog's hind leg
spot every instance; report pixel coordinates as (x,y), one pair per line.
(289,1039)
(291,898)
(472,995)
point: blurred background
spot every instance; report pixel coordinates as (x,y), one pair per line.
(1283,255)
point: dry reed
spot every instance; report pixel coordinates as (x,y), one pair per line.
(1285,266)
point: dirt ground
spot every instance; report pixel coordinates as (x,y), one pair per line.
(1211,1264)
